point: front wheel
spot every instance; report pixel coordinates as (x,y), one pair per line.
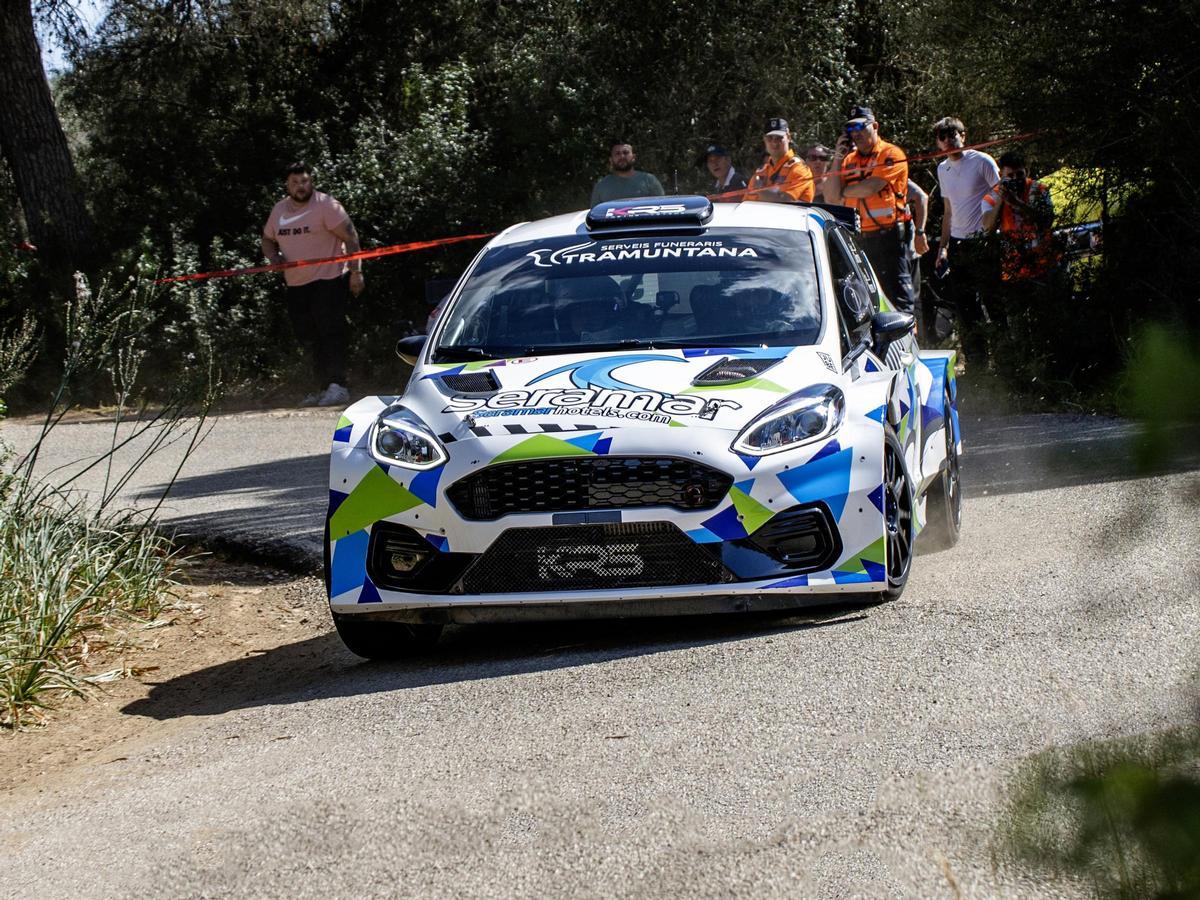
(898,519)
(373,639)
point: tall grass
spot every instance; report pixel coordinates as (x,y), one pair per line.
(72,560)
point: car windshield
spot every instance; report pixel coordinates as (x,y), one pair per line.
(727,287)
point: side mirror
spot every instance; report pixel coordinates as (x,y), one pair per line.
(889,327)
(409,348)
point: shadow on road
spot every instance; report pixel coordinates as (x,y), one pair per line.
(321,668)
(1019,454)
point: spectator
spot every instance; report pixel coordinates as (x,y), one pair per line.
(965,177)
(1022,210)
(918,209)
(308,224)
(624,182)
(783,176)
(873,178)
(720,167)
(817,157)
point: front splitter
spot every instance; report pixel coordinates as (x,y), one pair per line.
(469,613)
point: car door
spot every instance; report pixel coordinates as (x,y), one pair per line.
(901,356)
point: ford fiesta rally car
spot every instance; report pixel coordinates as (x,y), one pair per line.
(659,406)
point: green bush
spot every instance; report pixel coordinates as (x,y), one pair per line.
(1122,815)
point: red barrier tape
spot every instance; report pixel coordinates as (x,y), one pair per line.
(442,242)
(347,257)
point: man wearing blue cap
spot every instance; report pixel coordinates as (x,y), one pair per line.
(720,167)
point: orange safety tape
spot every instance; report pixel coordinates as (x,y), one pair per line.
(346,257)
(442,242)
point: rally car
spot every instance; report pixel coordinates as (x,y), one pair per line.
(652,407)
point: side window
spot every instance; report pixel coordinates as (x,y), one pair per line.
(851,289)
(863,266)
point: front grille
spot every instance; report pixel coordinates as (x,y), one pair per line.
(800,538)
(591,482)
(592,557)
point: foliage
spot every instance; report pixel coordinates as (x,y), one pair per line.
(65,569)
(71,561)
(455,116)
(1162,387)
(1123,815)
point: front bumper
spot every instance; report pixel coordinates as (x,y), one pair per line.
(841,476)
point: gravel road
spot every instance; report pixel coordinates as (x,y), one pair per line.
(862,753)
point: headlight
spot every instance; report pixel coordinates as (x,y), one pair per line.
(810,415)
(400,440)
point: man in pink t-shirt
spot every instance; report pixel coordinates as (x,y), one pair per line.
(307,224)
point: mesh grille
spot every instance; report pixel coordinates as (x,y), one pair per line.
(800,538)
(582,483)
(592,557)
(471,382)
(728,371)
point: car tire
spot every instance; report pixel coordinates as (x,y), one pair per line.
(898,515)
(943,500)
(373,639)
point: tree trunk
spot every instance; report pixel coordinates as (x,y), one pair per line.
(35,147)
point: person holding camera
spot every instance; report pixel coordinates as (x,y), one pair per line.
(964,177)
(1021,209)
(873,178)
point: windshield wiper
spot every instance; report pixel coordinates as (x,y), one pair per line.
(452,352)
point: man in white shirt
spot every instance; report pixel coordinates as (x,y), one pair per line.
(965,177)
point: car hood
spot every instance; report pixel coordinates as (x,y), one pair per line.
(713,387)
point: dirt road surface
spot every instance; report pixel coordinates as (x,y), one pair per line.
(859,753)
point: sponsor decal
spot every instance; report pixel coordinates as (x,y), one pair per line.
(653,209)
(642,405)
(617,251)
(596,392)
(611,561)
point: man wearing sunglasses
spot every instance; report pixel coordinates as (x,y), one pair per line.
(818,157)
(873,178)
(965,177)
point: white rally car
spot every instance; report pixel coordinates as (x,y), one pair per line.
(658,406)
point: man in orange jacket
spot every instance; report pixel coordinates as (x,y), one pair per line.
(784,176)
(1023,212)
(873,178)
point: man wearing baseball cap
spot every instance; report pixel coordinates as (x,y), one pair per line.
(873,178)
(784,176)
(720,167)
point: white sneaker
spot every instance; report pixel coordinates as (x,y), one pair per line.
(335,395)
